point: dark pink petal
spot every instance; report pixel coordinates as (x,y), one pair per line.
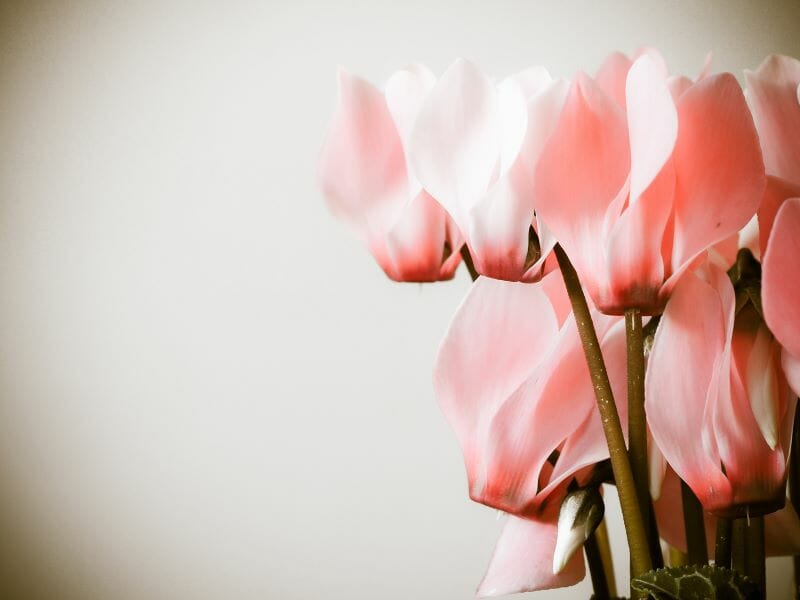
(720,175)
(772,93)
(523,559)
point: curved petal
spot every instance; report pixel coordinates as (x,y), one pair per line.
(652,123)
(755,471)
(455,143)
(791,368)
(587,444)
(720,175)
(582,168)
(688,341)
(533,80)
(635,259)
(415,244)
(655,56)
(523,559)
(512,121)
(543,111)
(532,423)
(612,74)
(499,334)
(499,225)
(362,169)
(405,92)
(776,192)
(772,93)
(677,85)
(780,284)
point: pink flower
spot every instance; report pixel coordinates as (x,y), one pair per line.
(512,381)
(365,177)
(474,148)
(636,192)
(718,404)
(523,558)
(774,96)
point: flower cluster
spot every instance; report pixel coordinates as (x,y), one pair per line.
(677,203)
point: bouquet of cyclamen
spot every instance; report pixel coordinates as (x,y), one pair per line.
(674,205)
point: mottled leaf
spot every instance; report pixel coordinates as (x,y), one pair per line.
(692,582)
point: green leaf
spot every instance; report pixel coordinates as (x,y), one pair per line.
(692,582)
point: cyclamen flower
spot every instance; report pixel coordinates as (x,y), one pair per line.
(724,424)
(636,193)
(474,148)
(773,91)
(512,380)
(366,179)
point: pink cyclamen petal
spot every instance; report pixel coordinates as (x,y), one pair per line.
(781,277)
(523,558)
(689,340)
(509,362)
(728,437)
(720,175)
(362,168)
(775,194)
(580,172)
(772,93)
(470,149)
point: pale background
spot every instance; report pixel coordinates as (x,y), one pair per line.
(207,388)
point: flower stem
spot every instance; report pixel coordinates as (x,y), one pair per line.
(603,544)
(755,566)
(637,422)
(694,526)
(597,570)
(722,549)
(631,515)
(467,258)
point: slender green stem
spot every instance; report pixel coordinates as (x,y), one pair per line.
(722,549)
(467,258)
(631,515)
(676,557)
(603,544)
(755,566)
(597,569)
(694,526)
(637,423)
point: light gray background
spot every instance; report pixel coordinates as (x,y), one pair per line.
(207,388)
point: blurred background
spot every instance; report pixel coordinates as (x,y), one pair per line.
(207,388)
